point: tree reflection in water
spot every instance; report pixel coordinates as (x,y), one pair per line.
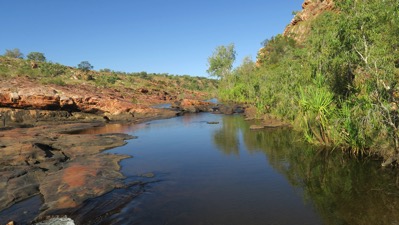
(343,189)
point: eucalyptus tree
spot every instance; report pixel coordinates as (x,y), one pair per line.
(221,62)
(221,65)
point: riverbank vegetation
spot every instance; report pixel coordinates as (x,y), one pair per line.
(338,86)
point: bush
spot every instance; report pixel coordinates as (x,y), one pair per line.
(106,80)
(85,66)
(36,56)
(52,69)
(340,84)
(54,80)
(14,53)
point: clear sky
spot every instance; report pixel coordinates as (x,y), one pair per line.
(161,36)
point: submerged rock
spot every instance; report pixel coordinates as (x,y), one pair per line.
(148,175)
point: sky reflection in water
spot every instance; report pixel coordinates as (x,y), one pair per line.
(209,176)
(227,174)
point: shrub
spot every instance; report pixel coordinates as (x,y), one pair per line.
(52,69)
(14,53)
(36,56)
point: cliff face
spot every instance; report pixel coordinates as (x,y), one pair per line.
(299,26)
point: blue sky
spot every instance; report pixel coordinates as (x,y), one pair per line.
(162,36)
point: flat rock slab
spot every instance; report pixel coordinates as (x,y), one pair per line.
(65,169)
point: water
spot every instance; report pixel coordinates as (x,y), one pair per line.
(208,176)
(224,173)
(162,106)
(227,174)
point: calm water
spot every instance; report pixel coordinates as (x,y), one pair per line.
(208,176)
(226,174)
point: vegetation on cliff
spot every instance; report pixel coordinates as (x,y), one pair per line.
(338,86)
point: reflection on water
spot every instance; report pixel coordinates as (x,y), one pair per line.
(200,184)
(111,128)
(342,189)
(229,174)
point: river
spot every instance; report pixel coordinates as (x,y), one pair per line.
(224,173)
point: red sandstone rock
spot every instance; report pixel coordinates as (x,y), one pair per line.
(83,98)
(64,169)
(298,28)
(310,10)
(191,105)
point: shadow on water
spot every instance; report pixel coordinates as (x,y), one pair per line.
(342,189)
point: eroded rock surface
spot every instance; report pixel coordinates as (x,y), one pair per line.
(65,169)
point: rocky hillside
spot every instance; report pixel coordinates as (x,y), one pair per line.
(60,91)
(42,104)
(299,26)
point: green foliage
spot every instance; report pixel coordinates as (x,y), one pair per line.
(316,110)
(339,86)
(36,56)
(53,80)
(14,53)
(274,49)
(106,80)
(221,61)
(4,70)
(85,66)
(52,69)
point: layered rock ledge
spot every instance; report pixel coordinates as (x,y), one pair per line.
(65,169)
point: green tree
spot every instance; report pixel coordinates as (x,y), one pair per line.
(221,61)
(36,56)
(85,66)
(14,53)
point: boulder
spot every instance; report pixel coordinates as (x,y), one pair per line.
(194,106)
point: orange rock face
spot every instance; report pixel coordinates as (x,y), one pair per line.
(22,93)
(310,10)
(298,28)
(191,105)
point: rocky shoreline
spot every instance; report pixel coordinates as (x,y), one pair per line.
(64,169)
(41,155)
